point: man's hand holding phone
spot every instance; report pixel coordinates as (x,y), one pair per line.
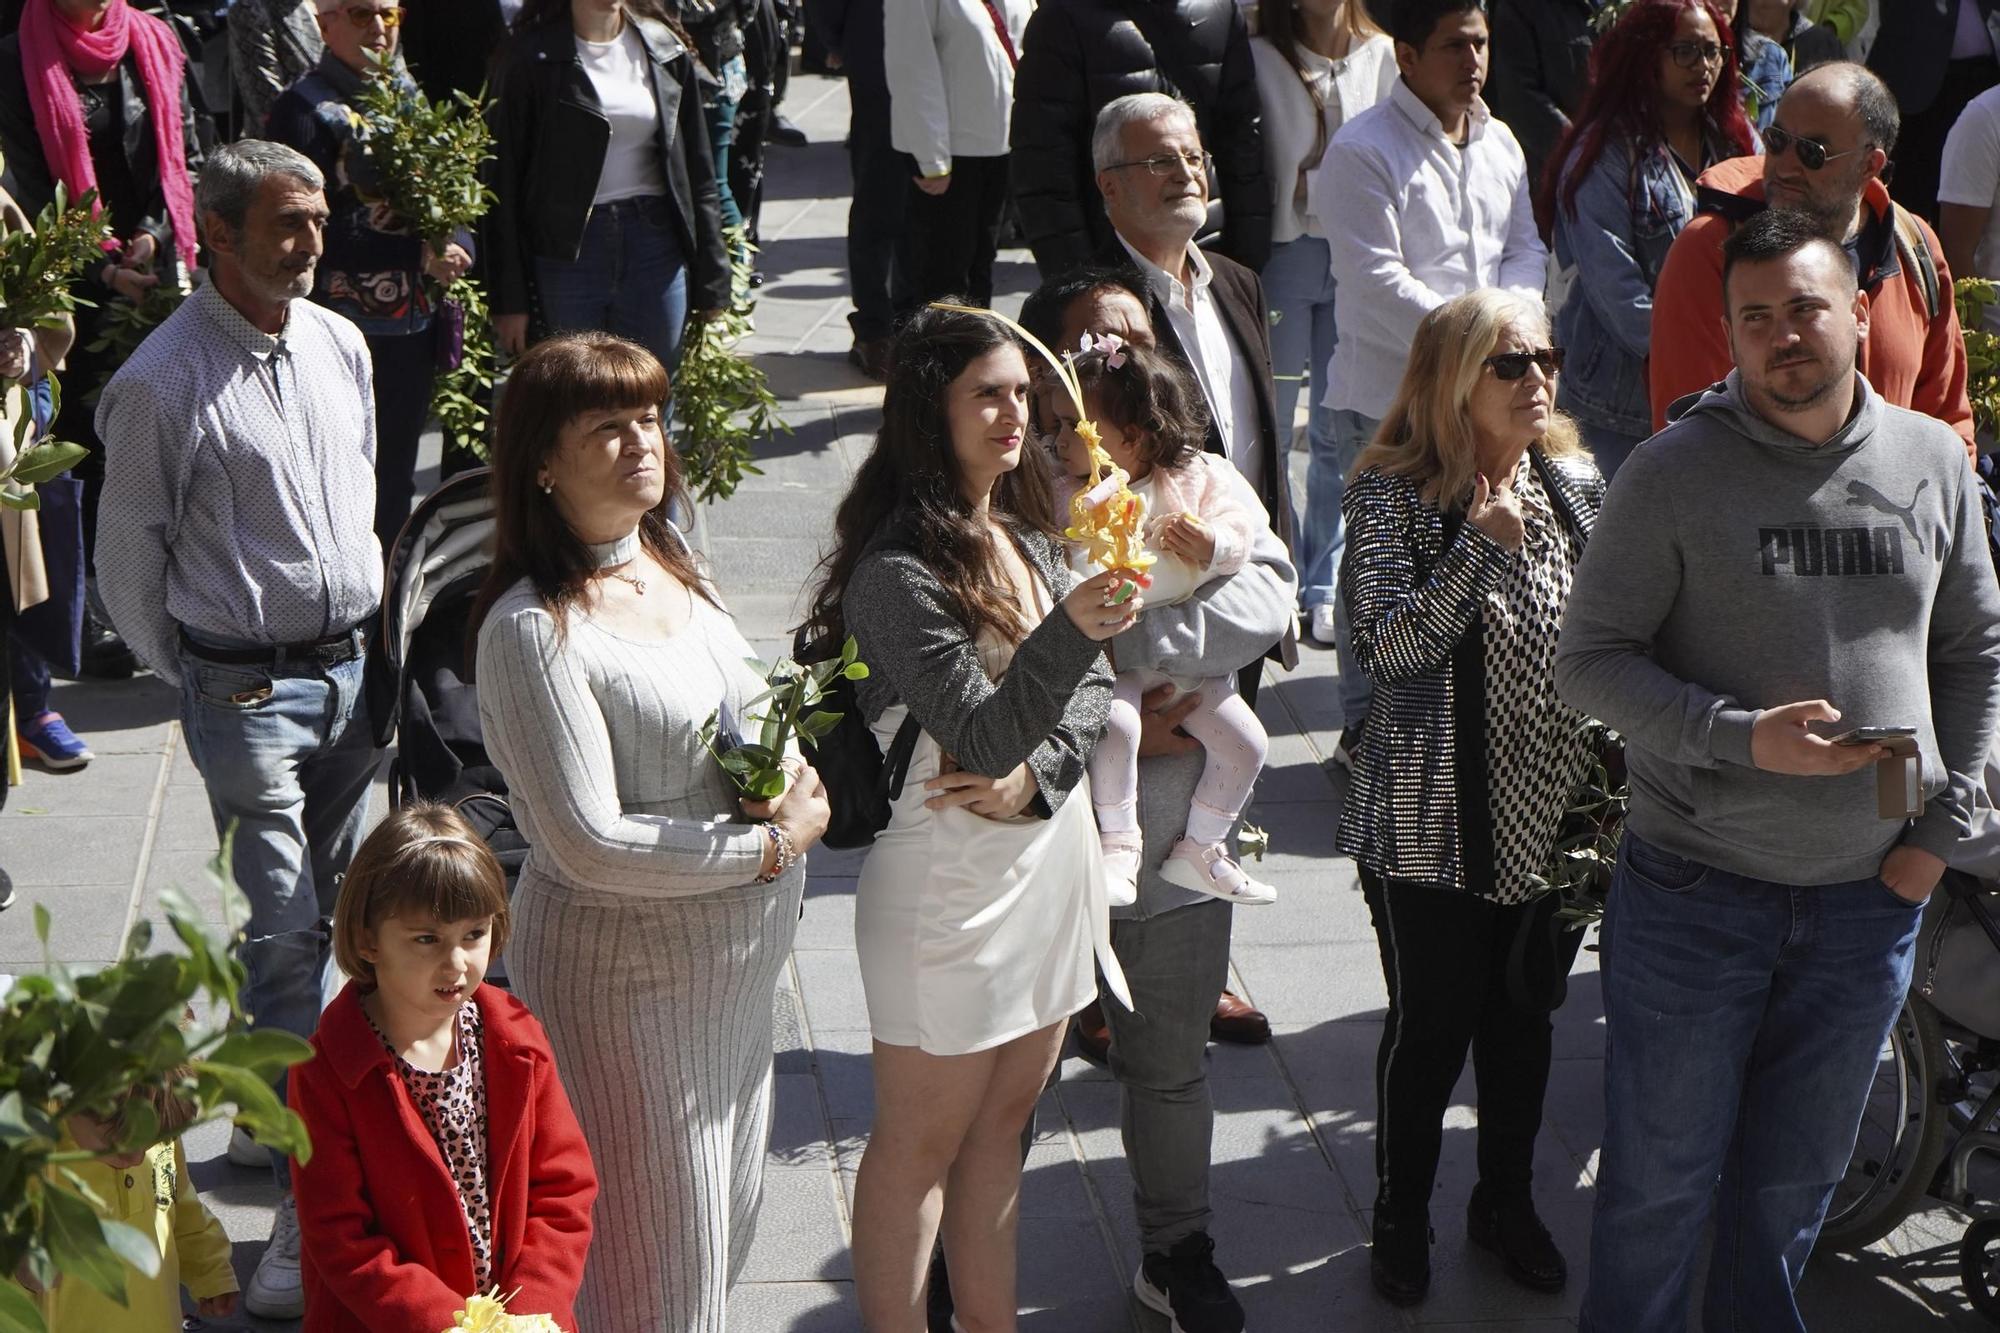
(1782,741)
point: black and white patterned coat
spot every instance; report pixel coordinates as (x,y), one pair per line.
(1415,579)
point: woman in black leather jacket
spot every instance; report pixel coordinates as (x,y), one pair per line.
(606,217)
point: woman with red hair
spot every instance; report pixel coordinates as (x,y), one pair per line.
(1662,108)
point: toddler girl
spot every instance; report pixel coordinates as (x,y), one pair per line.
(446,1160)
(1201,522)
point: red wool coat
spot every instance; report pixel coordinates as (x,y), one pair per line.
(383,1241)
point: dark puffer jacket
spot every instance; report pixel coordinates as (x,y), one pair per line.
(1078,55)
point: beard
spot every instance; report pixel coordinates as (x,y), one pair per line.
(1809,394)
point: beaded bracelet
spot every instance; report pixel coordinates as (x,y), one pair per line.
(781,842)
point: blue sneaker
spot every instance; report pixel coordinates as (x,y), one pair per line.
(47,740)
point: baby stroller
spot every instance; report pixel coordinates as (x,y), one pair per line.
(435,572)
(1935,1104)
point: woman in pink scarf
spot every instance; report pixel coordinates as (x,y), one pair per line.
(94,95)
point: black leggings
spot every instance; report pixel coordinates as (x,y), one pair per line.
(1444,959)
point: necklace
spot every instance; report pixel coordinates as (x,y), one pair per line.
(612,556)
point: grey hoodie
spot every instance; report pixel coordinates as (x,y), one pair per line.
(1735,568)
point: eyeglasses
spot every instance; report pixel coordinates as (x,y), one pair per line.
(1166,164)
(1689,54)
(391,18)
(1812,153)
(1514,365)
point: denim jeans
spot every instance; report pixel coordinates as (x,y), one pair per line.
(290,771)
(1298,284)
(1351,434)
(1175,963)
(1745,1019)
(628,278)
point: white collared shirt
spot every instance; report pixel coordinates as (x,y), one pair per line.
(1227,384)
(1413,219)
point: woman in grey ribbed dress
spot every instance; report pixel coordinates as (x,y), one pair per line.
(652,916)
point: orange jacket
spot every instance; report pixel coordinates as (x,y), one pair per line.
(1912,360)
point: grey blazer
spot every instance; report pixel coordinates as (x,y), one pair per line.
(1047,711)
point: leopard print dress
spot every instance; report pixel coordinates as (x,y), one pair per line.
(452,1103)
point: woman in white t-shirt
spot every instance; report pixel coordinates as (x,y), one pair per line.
(606,216)
(1320,63)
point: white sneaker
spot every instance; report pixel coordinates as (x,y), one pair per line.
(1121,867)
(246,1151)
(274,1291)
(1322,623)
(1211,870)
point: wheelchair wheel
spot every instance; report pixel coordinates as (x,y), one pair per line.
(1979,1266)
(1902,1135)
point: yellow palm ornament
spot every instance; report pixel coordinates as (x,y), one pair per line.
(488,1314)
(1106,516)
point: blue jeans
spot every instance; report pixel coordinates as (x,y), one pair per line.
(628,278)
(1298,284)
(1610,448)
(1351,434)
(1745,1021)
(287,755)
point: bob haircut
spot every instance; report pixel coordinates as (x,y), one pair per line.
(424,860)
(558,380)
(1427,433)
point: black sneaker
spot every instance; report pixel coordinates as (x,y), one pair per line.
(1399,1263)
(784,133)
(1344,748)
(1185,1285)
(6,891)
(105,656)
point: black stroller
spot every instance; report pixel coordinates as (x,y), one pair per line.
(435,572)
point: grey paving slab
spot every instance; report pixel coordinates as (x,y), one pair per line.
(799,1236)
(68,848)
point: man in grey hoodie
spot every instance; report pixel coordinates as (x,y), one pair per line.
(1791,558)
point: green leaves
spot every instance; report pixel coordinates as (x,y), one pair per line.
(792,709)
(722,403)
(85,1043)
(1982,349)
(38,268)
(46,461)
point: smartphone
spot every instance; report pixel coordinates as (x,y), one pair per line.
(1872,735)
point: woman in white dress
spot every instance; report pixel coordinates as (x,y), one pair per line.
(982,903)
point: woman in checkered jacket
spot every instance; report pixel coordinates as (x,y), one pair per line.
(1465,517)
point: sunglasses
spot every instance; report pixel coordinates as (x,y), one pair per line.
(361,18)
(1812,153)
(1689,54)
(1514,365)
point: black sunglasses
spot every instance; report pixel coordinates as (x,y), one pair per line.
(1514,365)
(1812,153)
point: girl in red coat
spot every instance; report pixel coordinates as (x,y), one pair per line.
(446,1161)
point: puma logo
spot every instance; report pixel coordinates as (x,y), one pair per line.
(1861,493)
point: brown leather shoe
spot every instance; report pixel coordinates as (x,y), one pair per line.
(1235,1020)
(1093,1034)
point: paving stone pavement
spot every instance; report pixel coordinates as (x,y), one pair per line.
(1293,1139)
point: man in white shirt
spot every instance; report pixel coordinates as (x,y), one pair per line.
(1968,190)
(1423,197)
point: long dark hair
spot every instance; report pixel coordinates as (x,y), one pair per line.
(559,380)
(912,479)
(1623,102)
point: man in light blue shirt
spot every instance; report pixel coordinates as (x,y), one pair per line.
(237,555)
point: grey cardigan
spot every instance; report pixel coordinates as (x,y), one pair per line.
(1047,711)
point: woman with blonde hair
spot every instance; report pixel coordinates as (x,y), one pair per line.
(1465,516)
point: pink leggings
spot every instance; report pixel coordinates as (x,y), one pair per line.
(1228,730)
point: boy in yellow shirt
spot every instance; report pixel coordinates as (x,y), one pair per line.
(150,1191)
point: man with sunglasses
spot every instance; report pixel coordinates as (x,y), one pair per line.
(1825,154)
